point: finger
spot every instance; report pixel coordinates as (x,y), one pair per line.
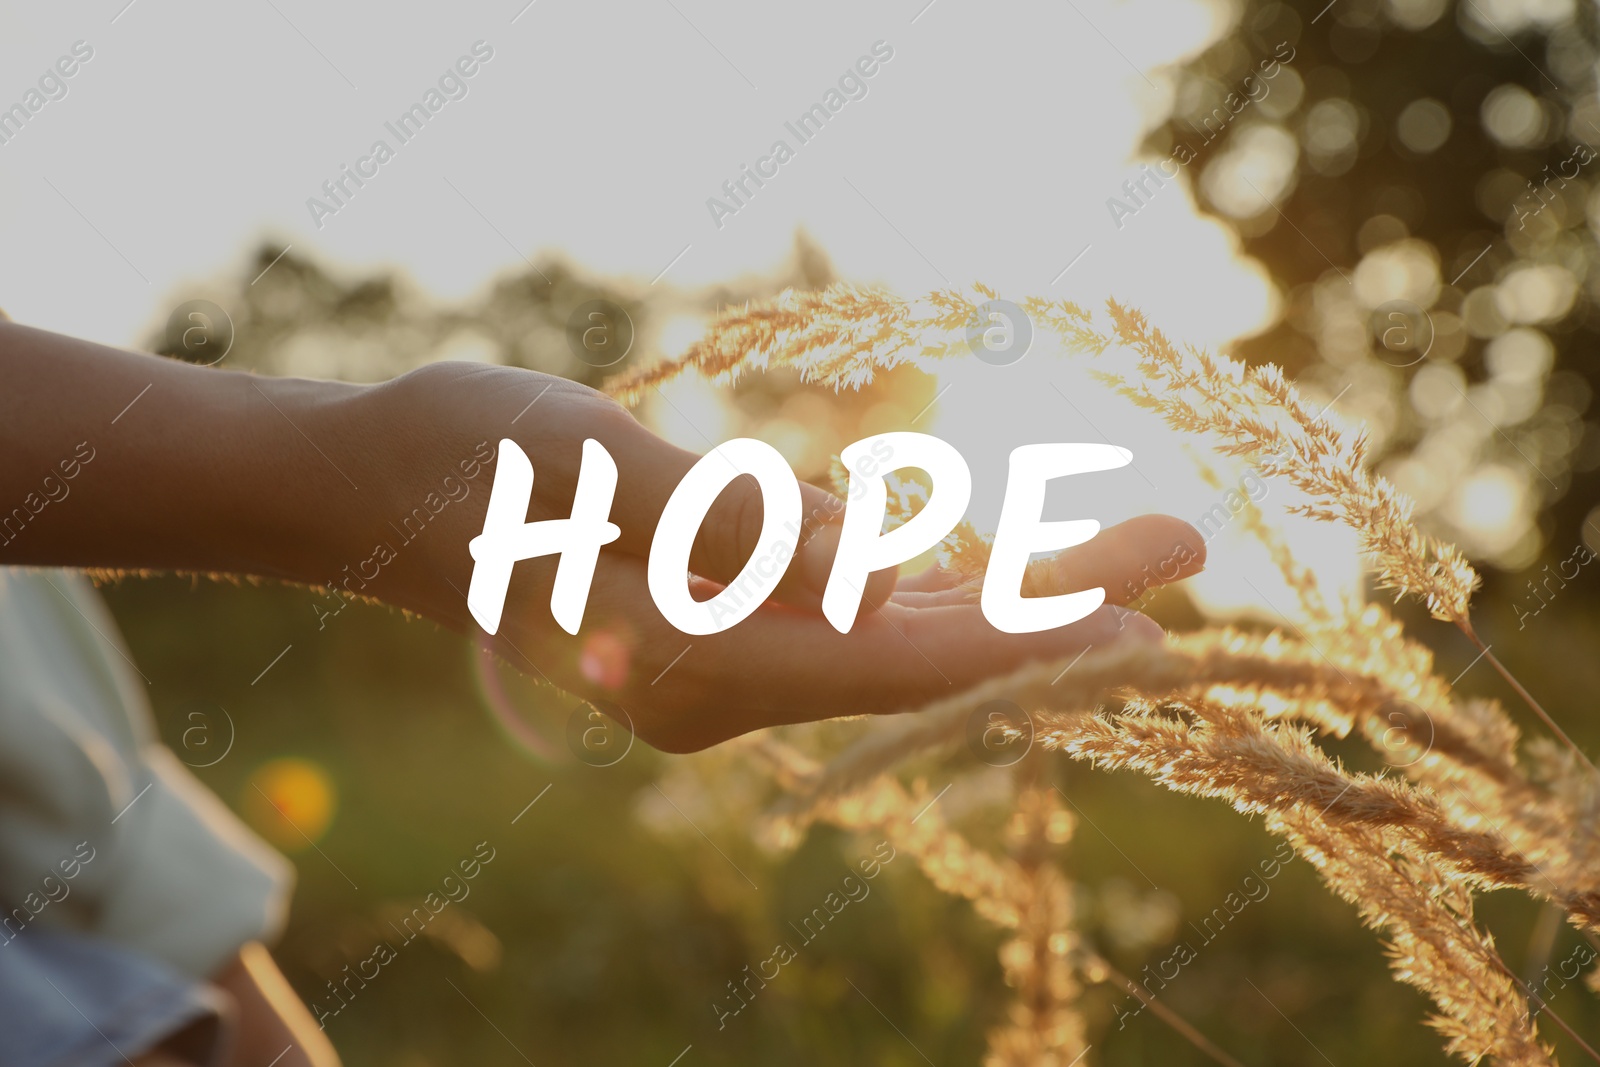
(798,669)
(965,593)
(931,600)
(929,580)
(959,647)
(1127,560)
(649,469)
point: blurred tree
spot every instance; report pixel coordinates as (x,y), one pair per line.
(301,316)
(1420,180)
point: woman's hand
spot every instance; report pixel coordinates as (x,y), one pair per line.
(783,664)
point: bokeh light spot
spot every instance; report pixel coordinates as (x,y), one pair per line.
(291,802)
(605,659)
(1424,126)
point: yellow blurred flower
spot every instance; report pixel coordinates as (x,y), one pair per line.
(291,802)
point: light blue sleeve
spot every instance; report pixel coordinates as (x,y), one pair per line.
(69,999)
(102,830)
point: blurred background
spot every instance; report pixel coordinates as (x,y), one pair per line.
(1395,199)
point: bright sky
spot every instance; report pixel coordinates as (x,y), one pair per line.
(984,149)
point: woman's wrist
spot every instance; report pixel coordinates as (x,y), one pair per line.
(122,460)
(310,481)
(408,497)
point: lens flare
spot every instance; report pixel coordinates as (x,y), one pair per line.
(605,659)
(502,707)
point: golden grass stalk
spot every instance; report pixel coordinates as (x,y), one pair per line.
(1254,413)
(1043,1025)
(1426,917)
(1097,967)
(1223,712)
(1371,845)
(840,336)
(1359,686)
(1262,768)
(1301,579)
(1044,959)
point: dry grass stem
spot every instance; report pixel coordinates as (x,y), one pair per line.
(1457,802)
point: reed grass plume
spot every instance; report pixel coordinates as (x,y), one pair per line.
(1465,804)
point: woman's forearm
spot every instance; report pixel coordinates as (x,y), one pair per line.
(115,459)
